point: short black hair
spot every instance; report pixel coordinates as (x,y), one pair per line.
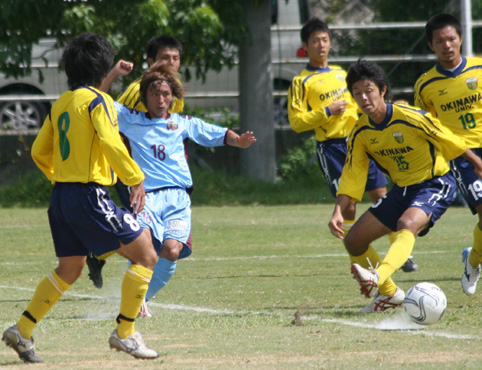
(441,21)
(160,42)
(87,59)
(365,70)
(312,25)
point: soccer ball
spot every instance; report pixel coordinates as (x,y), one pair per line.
(425,303)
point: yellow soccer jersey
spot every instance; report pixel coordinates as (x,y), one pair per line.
(455,98)
(80,141)
(410,146)
(313,90)
(130,97)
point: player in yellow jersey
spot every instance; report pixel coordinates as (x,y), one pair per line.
(318,100)
(413,148)
(452,91)
(77,148)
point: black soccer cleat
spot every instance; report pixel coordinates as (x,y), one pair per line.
(95,270)
(409,266)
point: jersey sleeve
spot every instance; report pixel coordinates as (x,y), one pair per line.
(300,117)
(105,121)
(355,171)
(203,133)
(419,100)
(42,149)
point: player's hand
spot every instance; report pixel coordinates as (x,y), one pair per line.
(335,225)
(123,68)
(245,140)
(138,198)
(337,107)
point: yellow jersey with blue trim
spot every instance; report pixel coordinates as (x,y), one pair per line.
(409,146)
(310,94)
(80,141)
(130,97)
(455,98)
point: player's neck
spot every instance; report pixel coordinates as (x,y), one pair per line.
(319,63)
(378,116)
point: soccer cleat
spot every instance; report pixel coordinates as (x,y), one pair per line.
(144,311)
(409,266)
(471,275)
(367,278)
(24,347)
(95,270)
(133,345)
(383,302)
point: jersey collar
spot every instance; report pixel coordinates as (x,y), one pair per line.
(316,69)
(456,72)
(386,120)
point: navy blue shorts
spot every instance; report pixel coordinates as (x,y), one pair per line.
(331,156)
(432,196)
(469,184)
(83,218)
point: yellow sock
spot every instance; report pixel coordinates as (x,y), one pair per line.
(387,287)
(105,255)
(134,289)
(48,292)
(391,237)
(397,254)
(475,256)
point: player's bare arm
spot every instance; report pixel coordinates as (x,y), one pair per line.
(241,141)
(138,197)
(475,160)
(336,222)
(121,68)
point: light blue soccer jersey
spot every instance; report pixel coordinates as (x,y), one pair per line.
(157,145)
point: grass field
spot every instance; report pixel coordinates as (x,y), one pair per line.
(266,288)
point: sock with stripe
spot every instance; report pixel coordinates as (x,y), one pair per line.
(134,288)
(47,293)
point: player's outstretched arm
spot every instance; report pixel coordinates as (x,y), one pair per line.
(241,141)
(121,68)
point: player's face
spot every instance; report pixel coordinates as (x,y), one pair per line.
(370,99)
(159,98)
(446,44)
(169,57)
(318,47)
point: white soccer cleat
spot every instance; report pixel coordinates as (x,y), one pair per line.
(367,278)
(133,345)
(24,347)
(144,311)
(471,275)
(383,302)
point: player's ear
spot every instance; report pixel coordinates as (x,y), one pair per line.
(430,46)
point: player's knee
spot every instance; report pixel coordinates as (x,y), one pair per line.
(171,250)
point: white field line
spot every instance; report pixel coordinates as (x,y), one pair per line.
(397,323)
(195,259)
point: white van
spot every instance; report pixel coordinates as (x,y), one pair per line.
(24,102)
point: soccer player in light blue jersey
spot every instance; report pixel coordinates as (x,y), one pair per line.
(156,142)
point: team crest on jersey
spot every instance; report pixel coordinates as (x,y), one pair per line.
(398,136)
(340,77)
(471,83)
(172,126)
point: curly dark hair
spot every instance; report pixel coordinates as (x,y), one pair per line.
(365,70)
(87,59)
(159,73)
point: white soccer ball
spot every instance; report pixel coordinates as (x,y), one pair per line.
(425,303)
